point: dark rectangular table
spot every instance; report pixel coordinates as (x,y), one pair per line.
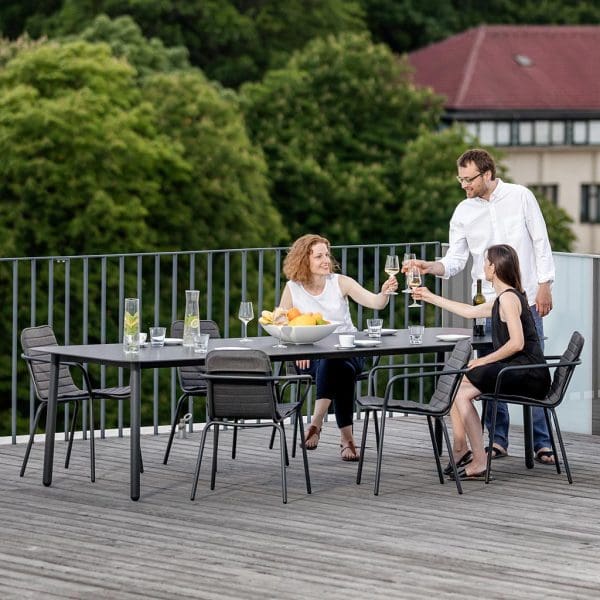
(178,356)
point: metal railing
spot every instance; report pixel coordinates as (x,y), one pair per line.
(82,297)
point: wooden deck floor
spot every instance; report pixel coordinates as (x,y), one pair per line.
(526,535)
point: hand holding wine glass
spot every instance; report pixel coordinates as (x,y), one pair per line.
(392,266)
(413,277)
(407,261)
(245,315)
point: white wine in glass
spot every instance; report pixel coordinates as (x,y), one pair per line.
(408,258)
(392,267)
(245,315)
(414,280)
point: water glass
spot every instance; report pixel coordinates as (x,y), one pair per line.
(374,326)
(416,334)
(157,337)
(201,342)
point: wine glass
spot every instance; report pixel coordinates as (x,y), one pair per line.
(414,280)
(280,343)
(245,315)
(408,258)
(392,267)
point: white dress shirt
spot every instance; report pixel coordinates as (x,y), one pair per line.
(511,216)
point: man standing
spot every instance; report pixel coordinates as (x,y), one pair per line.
(495,212)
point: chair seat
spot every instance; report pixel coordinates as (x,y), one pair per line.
(407,406)
(516,400)
(287,409)
(123,391)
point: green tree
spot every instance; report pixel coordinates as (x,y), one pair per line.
(126,40)
(333,124)
(232,41)
(427,203)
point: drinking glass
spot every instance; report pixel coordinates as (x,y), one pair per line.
(374,327)
(416,334)
(414,280)
(245,315)
(392,267)
(408,258)
(157,336)
(280,343)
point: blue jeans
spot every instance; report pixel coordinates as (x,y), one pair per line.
(541,438)
(336,380)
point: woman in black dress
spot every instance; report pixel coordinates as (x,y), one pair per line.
(515,342)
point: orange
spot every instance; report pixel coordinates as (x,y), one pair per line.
(293,313)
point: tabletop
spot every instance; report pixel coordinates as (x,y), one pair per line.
(178,355)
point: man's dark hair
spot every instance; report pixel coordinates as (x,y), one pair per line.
(481,158)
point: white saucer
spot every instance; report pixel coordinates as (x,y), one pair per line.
(367,342)
(452,337)
(173,341)
(344,347)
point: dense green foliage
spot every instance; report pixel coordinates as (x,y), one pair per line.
(333,124)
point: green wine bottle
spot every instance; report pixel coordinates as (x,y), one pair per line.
(479,324)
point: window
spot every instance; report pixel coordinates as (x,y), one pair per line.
(579,132)
(503,133)
(590,203)
(557,135)
(542,133)
(547,190)
(594,132)
(486,133)
(525,133)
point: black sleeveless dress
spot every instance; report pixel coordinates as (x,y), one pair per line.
(534,383)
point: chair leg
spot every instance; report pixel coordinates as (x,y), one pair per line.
(379,454)
(363,445)
(483,413)
(297,417)
(36,420)
(283,450)
(178,411)
(436,453)
(287,456)
(304,455)
(92,442)
(376,423)
(272,440)
(552,440)
(234,443)
(199,461)
(562,446)
(214,457)
(449,448)
(71,433)
(488,468)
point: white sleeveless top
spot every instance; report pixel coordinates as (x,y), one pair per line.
(330,302)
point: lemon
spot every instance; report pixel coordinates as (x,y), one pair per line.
(192,322)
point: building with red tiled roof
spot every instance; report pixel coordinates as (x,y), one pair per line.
(535,92)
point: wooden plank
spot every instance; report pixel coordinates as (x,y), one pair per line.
(528,534)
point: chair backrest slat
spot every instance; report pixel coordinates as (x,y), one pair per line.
(448,384)
(192,377)
(231,398)
(562,375)
(43,335)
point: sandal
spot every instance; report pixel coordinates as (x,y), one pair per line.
(548,455)
(311,432)
(352,448)
(463,461)
(496,452)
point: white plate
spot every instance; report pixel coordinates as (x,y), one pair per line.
(173,341)
(367,342)
(452,337)
(384,331)
(232,348)
(343,347)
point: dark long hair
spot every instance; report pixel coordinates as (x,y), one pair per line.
(505,260)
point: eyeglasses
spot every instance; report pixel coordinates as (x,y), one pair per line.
(462,180)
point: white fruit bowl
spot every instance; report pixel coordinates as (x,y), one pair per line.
(300,334)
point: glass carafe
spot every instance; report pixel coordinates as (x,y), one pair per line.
(191,324)
(131,325)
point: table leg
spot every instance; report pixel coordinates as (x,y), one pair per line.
(528,436)
(439,432)
(135,381)
(51,421)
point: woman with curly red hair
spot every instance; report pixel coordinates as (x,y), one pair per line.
(314,287)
